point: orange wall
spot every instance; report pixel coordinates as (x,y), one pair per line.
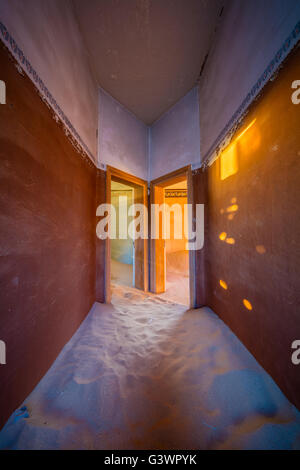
(48,207)
(173,245)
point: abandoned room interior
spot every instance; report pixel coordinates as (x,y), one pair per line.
(150,230)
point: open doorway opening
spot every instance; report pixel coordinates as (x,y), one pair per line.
(172,273)
(122,247)
(176,249)
(126,258)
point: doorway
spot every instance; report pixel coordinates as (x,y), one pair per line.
(122,247)
(126,258)
(171,262)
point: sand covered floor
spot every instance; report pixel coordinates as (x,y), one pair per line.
(144,373)
(177,284)
(121,273)
(177,288)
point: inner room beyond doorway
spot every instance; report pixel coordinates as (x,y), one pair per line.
(176,250)
(122,250)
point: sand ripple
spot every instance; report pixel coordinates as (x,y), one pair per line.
(145,373)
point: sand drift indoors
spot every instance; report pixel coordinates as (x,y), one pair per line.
(145,373)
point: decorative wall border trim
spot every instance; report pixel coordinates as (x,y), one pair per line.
(225,135)
(17,53)
(175,193)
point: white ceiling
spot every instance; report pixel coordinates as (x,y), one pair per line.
(147,54)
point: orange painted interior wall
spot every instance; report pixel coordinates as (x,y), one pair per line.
(176,252)
(173,244)
(252,246)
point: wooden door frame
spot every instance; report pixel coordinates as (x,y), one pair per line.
(163,181)
(126,178)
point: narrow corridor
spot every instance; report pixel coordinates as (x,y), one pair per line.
(145,373)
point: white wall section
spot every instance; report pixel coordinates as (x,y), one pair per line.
(123,139)
(49,37)
(175,137)
(249,37)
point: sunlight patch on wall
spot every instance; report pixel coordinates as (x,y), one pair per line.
(247,304)
(228,162)
(260,249)
(249,140)
(229,158)
(223,284)
(245,130)
(233,208)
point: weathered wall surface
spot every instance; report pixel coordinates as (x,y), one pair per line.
(249,36)
(175,137)
(254,231)
(47,237)
(49,36)
(123,139)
